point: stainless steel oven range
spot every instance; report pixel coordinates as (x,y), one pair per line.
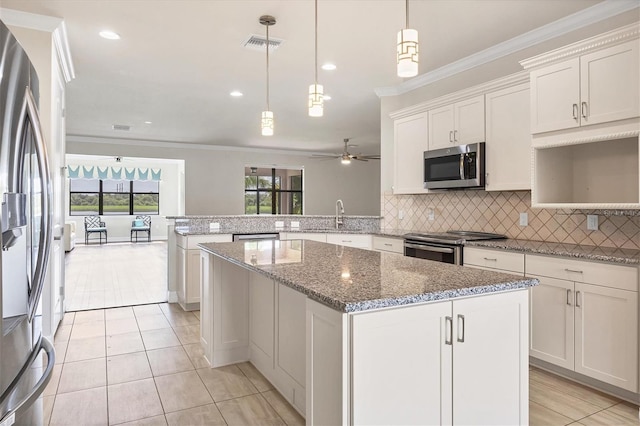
(443,246)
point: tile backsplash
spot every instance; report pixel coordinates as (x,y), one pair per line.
(499,212)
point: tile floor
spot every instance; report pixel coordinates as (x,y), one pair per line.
(143,365)
(115,274)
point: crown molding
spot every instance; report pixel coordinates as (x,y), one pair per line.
(608,39)
(521,77)
(588,16)
(50,24)
(85,139)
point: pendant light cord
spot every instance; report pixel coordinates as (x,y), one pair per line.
(268,109)
(406,19)
(316,71)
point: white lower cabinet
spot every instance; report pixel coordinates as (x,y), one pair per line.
(465,361)
(387,244)
(587,323)
(313,236)
(188,267)
(350,240)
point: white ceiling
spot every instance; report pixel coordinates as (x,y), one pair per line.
(178,60)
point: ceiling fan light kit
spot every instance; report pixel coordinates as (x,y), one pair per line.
(407,49)
(267,122)
(316,91)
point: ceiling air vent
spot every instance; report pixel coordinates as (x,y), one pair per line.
(123,127)
(258,42)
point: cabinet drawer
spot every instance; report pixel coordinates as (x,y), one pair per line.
(494,259)
(393,245)
(350,240)
(604,274)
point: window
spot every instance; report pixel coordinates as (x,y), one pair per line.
(272,191)
(113,197)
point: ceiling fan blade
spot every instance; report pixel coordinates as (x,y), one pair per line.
(354,157)
(326,155)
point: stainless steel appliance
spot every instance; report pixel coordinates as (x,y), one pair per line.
(256,236)
(458,167)
(25,239)
(444,247)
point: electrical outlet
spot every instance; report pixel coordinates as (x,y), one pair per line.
(431,214)
(524,219)
(214,226)
(400,214)
(279,223)
(592,222)
(295,224)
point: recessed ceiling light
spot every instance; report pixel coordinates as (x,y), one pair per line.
(109,35)
(326,97)
(148,122)
(236,93)
(329,67)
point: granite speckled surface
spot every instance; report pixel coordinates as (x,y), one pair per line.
(602,254)
(350,279)
(250,224)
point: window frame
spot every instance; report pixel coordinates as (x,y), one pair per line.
(276,200)
(100,193)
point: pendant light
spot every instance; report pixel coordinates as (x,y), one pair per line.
(267,116)
(407,49)
(316,91)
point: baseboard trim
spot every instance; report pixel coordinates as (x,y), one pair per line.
(172,296)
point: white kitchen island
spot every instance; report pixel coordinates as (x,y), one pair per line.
(352,336)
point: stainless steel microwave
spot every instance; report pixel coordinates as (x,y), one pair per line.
(458,167)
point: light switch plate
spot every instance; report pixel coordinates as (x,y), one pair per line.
(214,226)
(400,214)
(295,224)
(524,219)
(279,223)
(592,222)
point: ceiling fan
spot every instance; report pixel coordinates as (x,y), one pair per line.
(345,157)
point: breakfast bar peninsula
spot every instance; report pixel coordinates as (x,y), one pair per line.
(352,336)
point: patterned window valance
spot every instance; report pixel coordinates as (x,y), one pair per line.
(94,172)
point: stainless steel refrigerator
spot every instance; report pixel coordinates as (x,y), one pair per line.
(26,358)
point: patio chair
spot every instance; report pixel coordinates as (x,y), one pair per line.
(141,224)
(94,225)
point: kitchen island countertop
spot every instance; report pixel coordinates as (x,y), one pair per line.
(350,279)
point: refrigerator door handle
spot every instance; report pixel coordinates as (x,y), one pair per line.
(30,110)
(7,397)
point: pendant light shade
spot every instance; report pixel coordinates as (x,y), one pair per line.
(267,122)
(316,91)
(316,100)
(407,49)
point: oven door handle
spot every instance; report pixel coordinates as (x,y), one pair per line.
(429,248)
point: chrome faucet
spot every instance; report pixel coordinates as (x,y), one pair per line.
(339,213)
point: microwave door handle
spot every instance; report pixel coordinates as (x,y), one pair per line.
(462,157)
(44,244)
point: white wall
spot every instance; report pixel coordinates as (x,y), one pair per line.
(214,177)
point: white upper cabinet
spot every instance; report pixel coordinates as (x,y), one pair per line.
(410,142)
(457,124)
(508,147)
(593,88)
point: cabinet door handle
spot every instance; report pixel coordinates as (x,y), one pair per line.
(460,328)
(486,179)
(455,136)
(448,330)
(388,244)
(575,112)
(451,136)
(492,259)
(347,241)
(573,270)
(584,109)
(578,304)
(569,296)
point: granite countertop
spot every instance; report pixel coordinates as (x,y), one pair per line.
(187,232)
(603,254)
(350,279)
